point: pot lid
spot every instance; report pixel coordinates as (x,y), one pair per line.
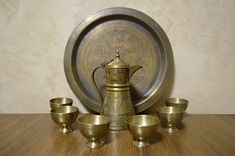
(117,62)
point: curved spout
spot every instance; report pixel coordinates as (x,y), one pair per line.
(133,69)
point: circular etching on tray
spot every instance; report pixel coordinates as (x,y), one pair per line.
(131,40)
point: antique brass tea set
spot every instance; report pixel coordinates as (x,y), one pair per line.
(117,111)
(119,92)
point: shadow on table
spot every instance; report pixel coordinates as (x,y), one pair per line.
(181,126)
(155,138)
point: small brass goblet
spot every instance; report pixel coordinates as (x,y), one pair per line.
(65,116)
(170,117)
(177,102)
(141,128)
(94,127)
(60,101)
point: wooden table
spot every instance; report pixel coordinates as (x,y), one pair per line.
(37,135)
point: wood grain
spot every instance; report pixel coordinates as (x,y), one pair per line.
(38,135)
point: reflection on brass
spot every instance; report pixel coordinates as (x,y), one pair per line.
(170,117)
(65,116)
(60,101)
(141,128)
(117,103)
(94,127)
(139,39)
(177,102)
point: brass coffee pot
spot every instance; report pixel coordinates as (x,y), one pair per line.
(117,103)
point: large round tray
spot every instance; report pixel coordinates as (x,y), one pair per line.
(139,39)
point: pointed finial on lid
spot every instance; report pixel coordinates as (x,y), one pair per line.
(117,54)
(117,62)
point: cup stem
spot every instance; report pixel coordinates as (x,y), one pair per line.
(95,143)
(66,129)
(141,143)
(171,129)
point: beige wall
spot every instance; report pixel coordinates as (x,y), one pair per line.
(33,35)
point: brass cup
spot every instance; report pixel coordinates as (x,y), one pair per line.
(177,102)
(142,127)
(94,127)
(64,116)
(170,117)
(60,101)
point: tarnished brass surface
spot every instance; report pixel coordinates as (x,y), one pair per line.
(139,39)
(142,127)
(94,127)
(117,103)
(170,117)
(64,116)
(177,102)
(60,101)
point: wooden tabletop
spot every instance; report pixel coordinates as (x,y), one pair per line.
(38,135)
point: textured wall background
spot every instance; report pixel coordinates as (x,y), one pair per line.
(33,35)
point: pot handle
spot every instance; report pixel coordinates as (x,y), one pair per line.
(94,83)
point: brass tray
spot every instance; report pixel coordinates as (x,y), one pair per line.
(139,39)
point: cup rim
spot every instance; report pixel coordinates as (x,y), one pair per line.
(59,111)
(167,110)
(143,115)
(177,101)
(94,115)
(52,101)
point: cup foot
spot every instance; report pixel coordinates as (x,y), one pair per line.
(66,129)
(95,144)
(141,143)
(171,130)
